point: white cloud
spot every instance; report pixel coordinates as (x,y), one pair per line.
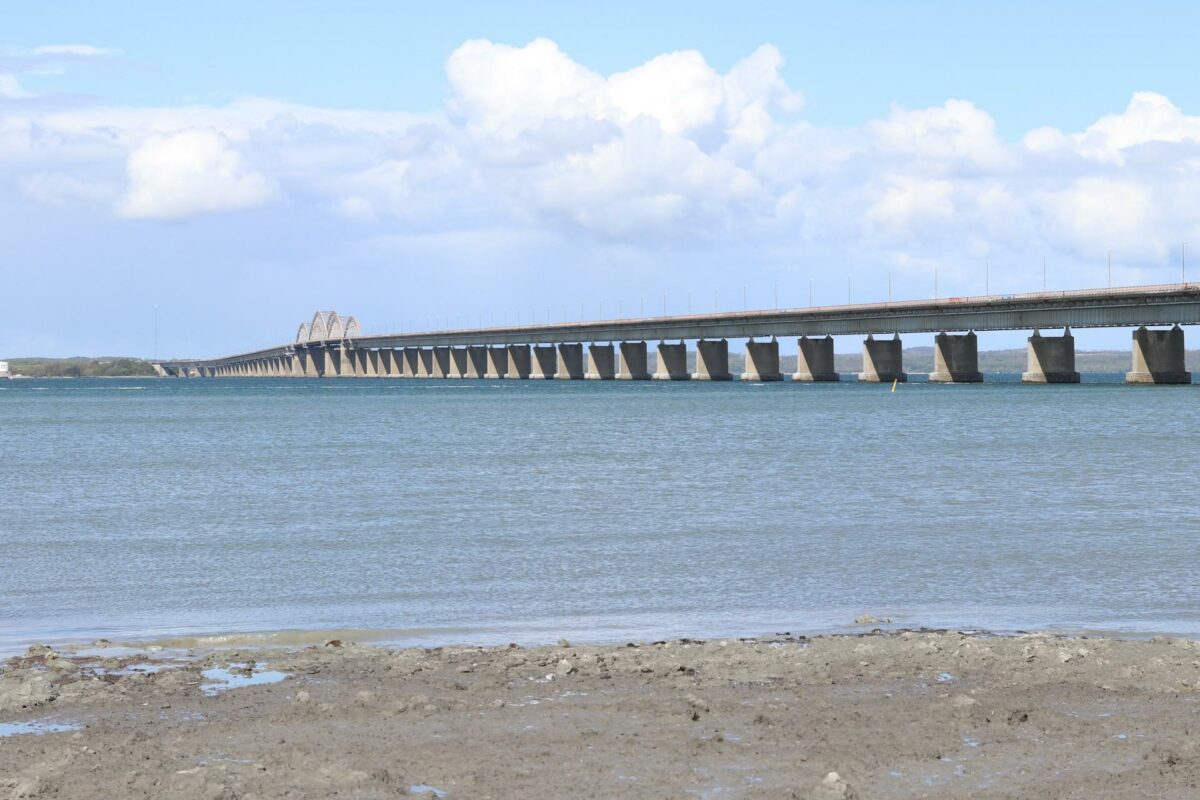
(1095,214)
(670,151)
(1149,117)
(10,87)
(83,50)
(945,137)
(190,172)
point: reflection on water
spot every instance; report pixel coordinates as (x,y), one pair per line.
(237,676)
(36,727)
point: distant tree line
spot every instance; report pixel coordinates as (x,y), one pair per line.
(81,367)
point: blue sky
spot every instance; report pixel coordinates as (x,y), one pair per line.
(240,165)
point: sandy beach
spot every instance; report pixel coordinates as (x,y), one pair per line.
(913,714)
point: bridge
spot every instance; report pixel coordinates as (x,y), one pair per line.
(334,346)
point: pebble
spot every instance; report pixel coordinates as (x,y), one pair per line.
(832,787)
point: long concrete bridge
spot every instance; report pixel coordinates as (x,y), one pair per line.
(334,346)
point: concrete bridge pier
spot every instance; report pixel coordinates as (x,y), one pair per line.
(633,364)
(387,363)
(956,358)
(570,362)
(322,361)
(476,361)
(458,362)
(344,357)
(309,363)
(410,362)
(814,360)
(545,362)
(672,362)
(424,362)
(1050,359)
(883,360)
(441,362)
(602,362)
(497,362)
(762,361)
(369,362)
(712,360)
(519,366)
(1158,357)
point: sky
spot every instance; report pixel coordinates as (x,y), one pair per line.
(189,180)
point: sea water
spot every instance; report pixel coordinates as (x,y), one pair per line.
(422,512)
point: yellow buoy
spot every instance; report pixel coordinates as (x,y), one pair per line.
(894,382)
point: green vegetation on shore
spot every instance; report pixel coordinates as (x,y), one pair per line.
(80,367)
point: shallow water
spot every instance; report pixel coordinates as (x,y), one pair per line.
(489,511)
(235,676)
(36,727)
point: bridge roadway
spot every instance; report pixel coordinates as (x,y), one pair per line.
(474,352)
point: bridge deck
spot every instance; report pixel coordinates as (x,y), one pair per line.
(1083,308)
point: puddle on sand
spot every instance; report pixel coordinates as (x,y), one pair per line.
(422,788)
(222,679)
(36,727)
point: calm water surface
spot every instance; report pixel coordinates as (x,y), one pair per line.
(489,511)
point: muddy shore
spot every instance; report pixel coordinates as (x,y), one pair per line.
(914,714)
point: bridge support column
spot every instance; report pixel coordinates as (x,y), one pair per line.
(497,361)
(369,361)
(1050,359)
(441,362)
(570,362)
(387,363)
(762,361)
(343,365)
(424,362)
(544,363)
(308,362)
(410,362)
(477,362)
(458,362)
(519,366)
(633,364)
(602,362)
(883,360)
(814,360)
(956,358)
(712,360)
(1158,357)
(672,362)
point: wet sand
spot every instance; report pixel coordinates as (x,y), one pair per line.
(914,714)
